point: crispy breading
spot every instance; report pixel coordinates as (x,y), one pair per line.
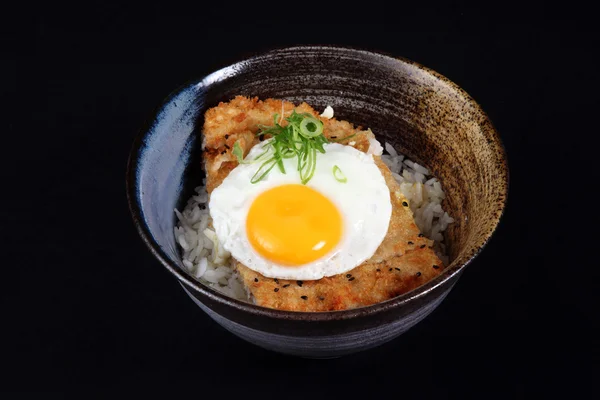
(240,119)
(403,261)
(369,283)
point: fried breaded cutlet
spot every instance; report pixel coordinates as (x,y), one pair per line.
(403,261)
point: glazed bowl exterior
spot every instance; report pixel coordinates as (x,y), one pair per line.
(418,111)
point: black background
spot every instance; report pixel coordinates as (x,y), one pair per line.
(85,305)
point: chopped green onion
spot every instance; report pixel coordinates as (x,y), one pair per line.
(311,163)
(344,138)
(261,154)
(302,137)
(278,156)
(311,127)
(238,152)
(264,169)
(339,175)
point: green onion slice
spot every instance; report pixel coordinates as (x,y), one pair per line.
(301,138)
(311,127)
(238,152)
(339,175)
(344,138)
(264,169)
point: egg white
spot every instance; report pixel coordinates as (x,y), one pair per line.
(363,201)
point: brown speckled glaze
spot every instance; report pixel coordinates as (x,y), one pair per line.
(420,112)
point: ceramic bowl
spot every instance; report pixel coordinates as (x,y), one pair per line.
(420,112)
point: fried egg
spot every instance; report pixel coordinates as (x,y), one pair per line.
(284,229)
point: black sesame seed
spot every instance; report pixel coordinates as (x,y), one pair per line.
(410,243)
(436,267)
(422,246)
(333,137)
(286,285)
(276,281)
(397,269)
(226,136)
(421,235)
(255,279)
(405,204)
(419,273)
(348,275)
(304,297)
(276,289)
(351,279)
(299,283)
(227,147)
(321,298)
(391,269)
(223,152)
(378,270)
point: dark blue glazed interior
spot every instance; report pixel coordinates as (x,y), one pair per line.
(163,158)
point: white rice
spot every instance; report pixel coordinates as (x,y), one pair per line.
(202,255)
(213,265)
(425,196)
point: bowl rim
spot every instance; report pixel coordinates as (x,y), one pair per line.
(198,288)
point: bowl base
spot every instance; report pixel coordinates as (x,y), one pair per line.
(324,347)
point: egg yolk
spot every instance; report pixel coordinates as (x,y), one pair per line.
(293,225)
